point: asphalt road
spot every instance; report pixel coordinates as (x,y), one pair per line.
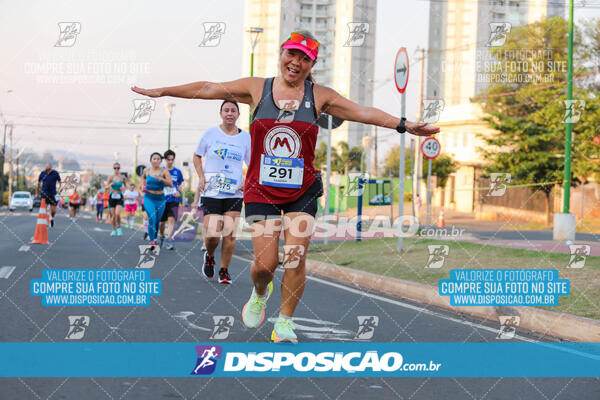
(184,313)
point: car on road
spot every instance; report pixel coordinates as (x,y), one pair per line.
(21,200)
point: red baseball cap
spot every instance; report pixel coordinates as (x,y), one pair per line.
(308,46)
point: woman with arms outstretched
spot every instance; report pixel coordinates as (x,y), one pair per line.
(281,178)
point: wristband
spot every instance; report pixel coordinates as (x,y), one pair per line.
(401,128)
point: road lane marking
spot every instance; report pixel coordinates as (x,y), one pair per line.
(6,271)
(24,248)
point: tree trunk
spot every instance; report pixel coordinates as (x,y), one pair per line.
(548,212)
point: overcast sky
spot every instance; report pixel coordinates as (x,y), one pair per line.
(76,99)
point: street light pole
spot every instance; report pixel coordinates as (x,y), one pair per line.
(569,127)
(136,140)
(255,32)
(169,107)
(564,223)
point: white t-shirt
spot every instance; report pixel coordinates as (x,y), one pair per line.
(223,156)
(130,196)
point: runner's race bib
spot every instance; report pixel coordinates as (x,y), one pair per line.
(115,195)
(225,185)
(281,171)
(170,191)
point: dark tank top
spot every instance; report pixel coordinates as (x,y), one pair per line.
(283,149)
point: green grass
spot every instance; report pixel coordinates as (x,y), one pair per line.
(380,257)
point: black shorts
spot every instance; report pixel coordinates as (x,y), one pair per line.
(51,200)
(171,209)
(75,206)
(307,203)
(113,203)
(211,205)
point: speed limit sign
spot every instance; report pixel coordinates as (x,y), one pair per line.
(431,148)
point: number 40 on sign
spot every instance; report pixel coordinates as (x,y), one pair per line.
(431,148)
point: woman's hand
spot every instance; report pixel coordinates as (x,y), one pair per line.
(148,92)
(201,183)
(421,128)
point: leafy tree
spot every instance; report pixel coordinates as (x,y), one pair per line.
(529,122)
(391,162)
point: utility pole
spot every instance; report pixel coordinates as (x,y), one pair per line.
(2,165)
(419,155)
(10,162)
(374,170)
(169,107)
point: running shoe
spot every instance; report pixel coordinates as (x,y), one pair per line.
(224,276)
(161,240)
(283,331)
(253,313)
(97,220)
(113,233)
(119,232)
(51,222)
(208,267)
(170,246)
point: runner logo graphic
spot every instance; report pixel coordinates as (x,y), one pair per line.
(573,109)
(69,183)
(437,255)
(287,110)
(207,359)
(223,323)
(498,33)
(77,326)
(212,34)
(68,34)
(366,326)
(148,256)
(508,326)
(578,255)
(498,181)
(185,227)
(142,109)
(292,255)
(357,34)
(354,189)
(432,109)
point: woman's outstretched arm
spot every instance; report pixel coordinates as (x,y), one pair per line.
(341,107)
(239,90)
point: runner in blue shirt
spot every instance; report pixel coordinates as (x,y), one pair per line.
(48,178)
(173,196)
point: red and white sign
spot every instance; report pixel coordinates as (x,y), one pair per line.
(431,148)
(401,70)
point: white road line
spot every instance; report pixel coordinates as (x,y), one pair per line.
(399,303)
(24,248)
(6,271)
(436,314)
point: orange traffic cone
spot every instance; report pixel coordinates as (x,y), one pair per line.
(442,222)
(41,228)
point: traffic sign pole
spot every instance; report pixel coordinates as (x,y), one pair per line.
(401,70)
(430,149)
(401,179)
(428,192)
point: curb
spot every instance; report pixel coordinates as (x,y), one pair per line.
(561,325)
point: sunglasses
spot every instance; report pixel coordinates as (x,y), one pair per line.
(298,38)
(116,167)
